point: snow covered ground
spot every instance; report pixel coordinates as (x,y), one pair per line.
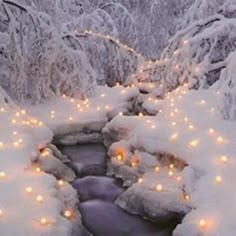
(189,127)
(181,160)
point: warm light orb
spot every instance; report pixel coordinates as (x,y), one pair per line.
(224,159)
(68,214)
(39,199)
(170,173)
(171,166)
(211,131)
(60,183)
(2,175)
(186,197)
(29,190)
(159,188)
(218,179)
(140,180)
(120,157)
(220,139)
(202,223)
(191,127)
(43,221)
(194,143)
(1,213)
(37,170)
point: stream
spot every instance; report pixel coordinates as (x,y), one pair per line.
(97,193)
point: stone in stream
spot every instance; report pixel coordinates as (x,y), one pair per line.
(98,187)
(86,159)
(107,219)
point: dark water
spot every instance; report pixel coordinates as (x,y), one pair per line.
(100,215)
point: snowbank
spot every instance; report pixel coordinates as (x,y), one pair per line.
(188,126)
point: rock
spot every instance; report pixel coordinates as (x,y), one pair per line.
(159,206)
(54,166)
(103,188)
(107,219)
(87,159)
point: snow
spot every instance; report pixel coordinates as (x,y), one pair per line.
(190,128)
(21,214)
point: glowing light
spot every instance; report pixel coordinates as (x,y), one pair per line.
(121,114)
(1,144)
(174,136)
(171,166)
(29,190)
(2,175)
(211,131)
(23,112)
(17,114)
(186,42)
(202,223)
(2,109)
(37,170)
(45,153)
(170,173)
(220,139)
(218,179)
(39,199)
(70,118)
(68,214)
(1,213)
(203,102)
(140,180)
(40,123)
(153,126)
(173,123)
(224,159)
(43,221)
(186,197)
(179,178)
(159,188)
(120,157)
(157,168)
(60,183)
(172,114)
(194,143)
(191,127)
(16,144)
(140,114)
(103,95)
(13,121)
(186,119)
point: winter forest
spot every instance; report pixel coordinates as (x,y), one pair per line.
(118,117)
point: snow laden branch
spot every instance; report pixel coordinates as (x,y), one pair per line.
(35,62)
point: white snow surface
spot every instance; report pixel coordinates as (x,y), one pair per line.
(189,127)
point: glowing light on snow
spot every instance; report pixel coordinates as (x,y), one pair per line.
(43,221)
(60,183)
(140,180)
(218,179)
(202,223)
(220,139)
(194,143)
(159,188)
(29,190)
(39,198)
(2,175)
(171,166)
(224,159)
(68,214)
(211,131)
(37,170)
(170,173)
(120,157)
